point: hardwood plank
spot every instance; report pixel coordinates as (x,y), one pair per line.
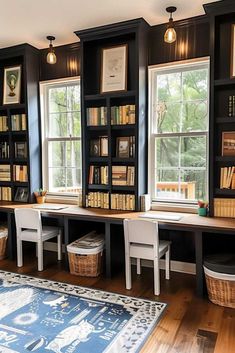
(226,335)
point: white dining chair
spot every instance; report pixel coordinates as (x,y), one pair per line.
(142,242)
(29,228)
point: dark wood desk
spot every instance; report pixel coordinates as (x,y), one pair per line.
(189,222)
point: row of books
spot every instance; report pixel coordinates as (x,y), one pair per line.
(20,173)
(96,116)
(123,114)
(97,200)
(123,175)
(3,123)
(227,178)
(18,122)
(224,208)
(5,172)
(99,147)
(5,193)
(231,106)
(4,150)
(98,175)
(125,202)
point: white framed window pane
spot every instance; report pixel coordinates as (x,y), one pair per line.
(167,183)
(195,84)
(64,180)
(194,116)
(57,99)
(169,87)
(194,184)
(193,152)
(167,151)
(168,117)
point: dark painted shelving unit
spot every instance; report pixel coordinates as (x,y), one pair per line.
(134,34)
(28,58)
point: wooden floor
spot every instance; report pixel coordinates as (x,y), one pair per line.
(189,325)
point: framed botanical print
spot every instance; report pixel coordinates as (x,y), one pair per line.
(11,85)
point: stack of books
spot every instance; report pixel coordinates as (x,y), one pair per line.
(5,193)
(3,123)
(125,202)
(98,175)
(18,122)
(227,178)
(97,200)
(4,150)
(123,114)
(20,173)
(96,116)
(123,175)
(5,172)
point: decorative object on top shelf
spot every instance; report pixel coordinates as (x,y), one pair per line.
(202,208)
(233,52)
(123,147)
(40,195)
(228,143)
(51,57)
(22,194)
(170,34)
(12,85)
(114,69)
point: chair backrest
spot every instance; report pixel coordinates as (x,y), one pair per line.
(28,218)
(141,232)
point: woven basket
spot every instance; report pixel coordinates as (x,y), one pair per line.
(85,265)
(221,291)
(3,245)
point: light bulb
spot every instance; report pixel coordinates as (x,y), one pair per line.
(51,57)
(170,35)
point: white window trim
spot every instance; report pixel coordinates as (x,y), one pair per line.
(52,196)
(165,205)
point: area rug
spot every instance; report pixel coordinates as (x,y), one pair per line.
(38,315)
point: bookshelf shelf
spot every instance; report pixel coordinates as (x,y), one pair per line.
(224,82)
(225,159)
(225,120)
(121,113)
(224,192)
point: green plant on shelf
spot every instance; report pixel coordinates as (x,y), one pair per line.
(40,192)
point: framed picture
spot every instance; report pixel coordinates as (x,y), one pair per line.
(95,148)
(123,147)
(11,85)
(114,69)
(228,143)
(232,70)
(21,194)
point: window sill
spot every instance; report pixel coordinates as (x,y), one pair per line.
(186,208)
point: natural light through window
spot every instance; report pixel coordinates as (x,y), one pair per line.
(62,137)
(179,127)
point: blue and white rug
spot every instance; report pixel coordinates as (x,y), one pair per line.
(38,315)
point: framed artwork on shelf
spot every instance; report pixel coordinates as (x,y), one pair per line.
(95,148)
(123,148)
(21,194)
(12,85)
(228,143)
(114,69)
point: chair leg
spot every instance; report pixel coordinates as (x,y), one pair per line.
(19,253)
(138,266)
(156,276)
(128,272)
(167,263)
(40,256)
(59,246)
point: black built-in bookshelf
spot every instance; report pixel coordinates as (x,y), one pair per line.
(19,133)
(117,123)
(222,99)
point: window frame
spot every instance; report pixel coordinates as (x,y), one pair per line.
(44,105)
(175,204)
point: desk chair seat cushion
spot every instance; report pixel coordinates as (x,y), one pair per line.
(32,234)
(146,251)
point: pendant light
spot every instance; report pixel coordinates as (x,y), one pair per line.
(170,34)
(51,57)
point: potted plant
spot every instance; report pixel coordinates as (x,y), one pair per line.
(40,195)
(202,208)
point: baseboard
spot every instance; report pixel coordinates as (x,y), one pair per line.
(176,266)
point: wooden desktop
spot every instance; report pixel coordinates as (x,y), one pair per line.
(188,222)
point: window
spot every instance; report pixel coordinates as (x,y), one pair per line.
(179,131)
(61,136)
